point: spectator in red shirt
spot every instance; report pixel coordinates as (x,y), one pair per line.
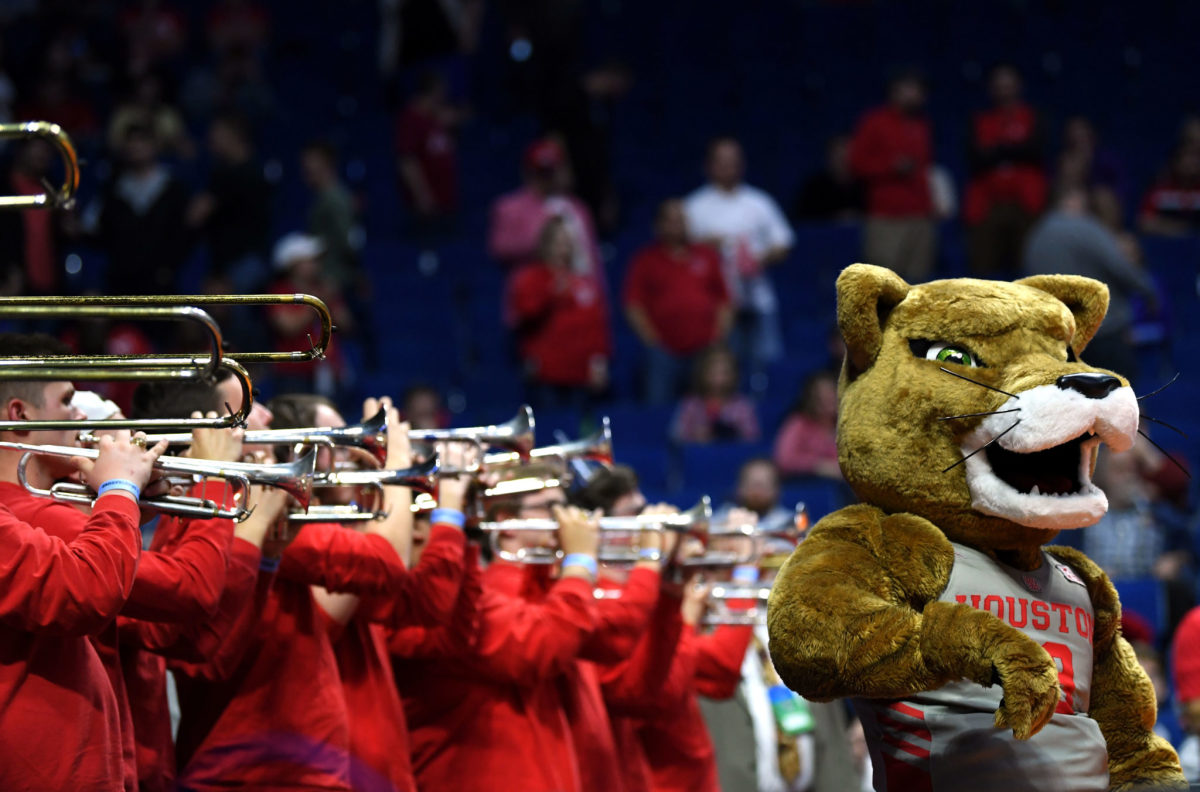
(561,323)
(676,301)
(1172,206)
(806,444)
(715,411)
(30,239)
(1007,190)
(427,157)
(891,152)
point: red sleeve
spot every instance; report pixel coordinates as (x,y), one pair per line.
(870,155)
(72,587)
(635,281)
(621,621)
(659,672)
(428,593)
(524,642)
(531,293)
(342,560)
(183,579)
(719,657)
(225,638)
(198,640)
(454,638)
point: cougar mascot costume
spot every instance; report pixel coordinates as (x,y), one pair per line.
(977,657)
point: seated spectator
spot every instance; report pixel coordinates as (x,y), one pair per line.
(146,104)
(833,193)
(715,411)
(559,317)
(1007,190)
(676,301)
(1172,206)
(758,491)
(423,408)
(1084,162)
(298,261)
(1185,661)
(1133,539)
(806,444)
(427,157)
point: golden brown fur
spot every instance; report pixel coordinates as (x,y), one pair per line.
(855,611)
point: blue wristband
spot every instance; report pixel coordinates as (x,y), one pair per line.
(268,564)
(745,573)
(448,517)
(650,554)
(582,560)
(120,484)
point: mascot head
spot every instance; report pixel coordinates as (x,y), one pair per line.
(965,402)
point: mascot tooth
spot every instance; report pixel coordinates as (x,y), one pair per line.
(977,655)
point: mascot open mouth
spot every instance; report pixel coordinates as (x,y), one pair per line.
(1060,470)
(1031,461)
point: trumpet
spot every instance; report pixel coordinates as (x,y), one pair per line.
(64,196)
(682,522)
(516,434)
(295,478)
(720,597)
(422,477)
(596,447)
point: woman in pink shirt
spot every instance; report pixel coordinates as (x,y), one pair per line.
(806,444)
(715,411)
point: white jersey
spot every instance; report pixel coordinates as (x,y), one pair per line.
(944,739)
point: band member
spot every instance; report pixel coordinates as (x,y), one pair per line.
(281,720)
(59,716)
(484,694)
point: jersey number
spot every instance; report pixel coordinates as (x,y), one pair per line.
(1066,675)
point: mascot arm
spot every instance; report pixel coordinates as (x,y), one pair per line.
(1122,700)
(854,612)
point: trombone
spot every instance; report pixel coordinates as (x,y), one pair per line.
(64,196)
(136,304)
(516,434)
(295,478)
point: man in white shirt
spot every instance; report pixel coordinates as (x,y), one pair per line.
(748,228)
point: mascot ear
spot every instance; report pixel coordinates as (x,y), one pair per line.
(1086,298)
(866,295)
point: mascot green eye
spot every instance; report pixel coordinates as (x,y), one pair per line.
(948,353)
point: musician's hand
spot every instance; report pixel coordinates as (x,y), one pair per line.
(268,505)
(695,602)
(120,459)
(452,490)
(222,445)
(578,531)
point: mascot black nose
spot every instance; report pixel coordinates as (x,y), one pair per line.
(1094,386)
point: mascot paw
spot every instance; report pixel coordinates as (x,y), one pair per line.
(1030,681)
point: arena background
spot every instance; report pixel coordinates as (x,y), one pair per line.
(781,75)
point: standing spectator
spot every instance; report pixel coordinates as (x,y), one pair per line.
(832,193)
(235,211)
(1185,660)
(1172,206)
(30,239)
(238,24)
(1007,190)
(141,220)
(298,261)
(155,33)
(807,443)
(146,104)
(427,157)
(715,411)
(891,152)
(676,301)
(331,216)
(749,229)
(1085,163)
(1069,241)
(519,217)
(561,323)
